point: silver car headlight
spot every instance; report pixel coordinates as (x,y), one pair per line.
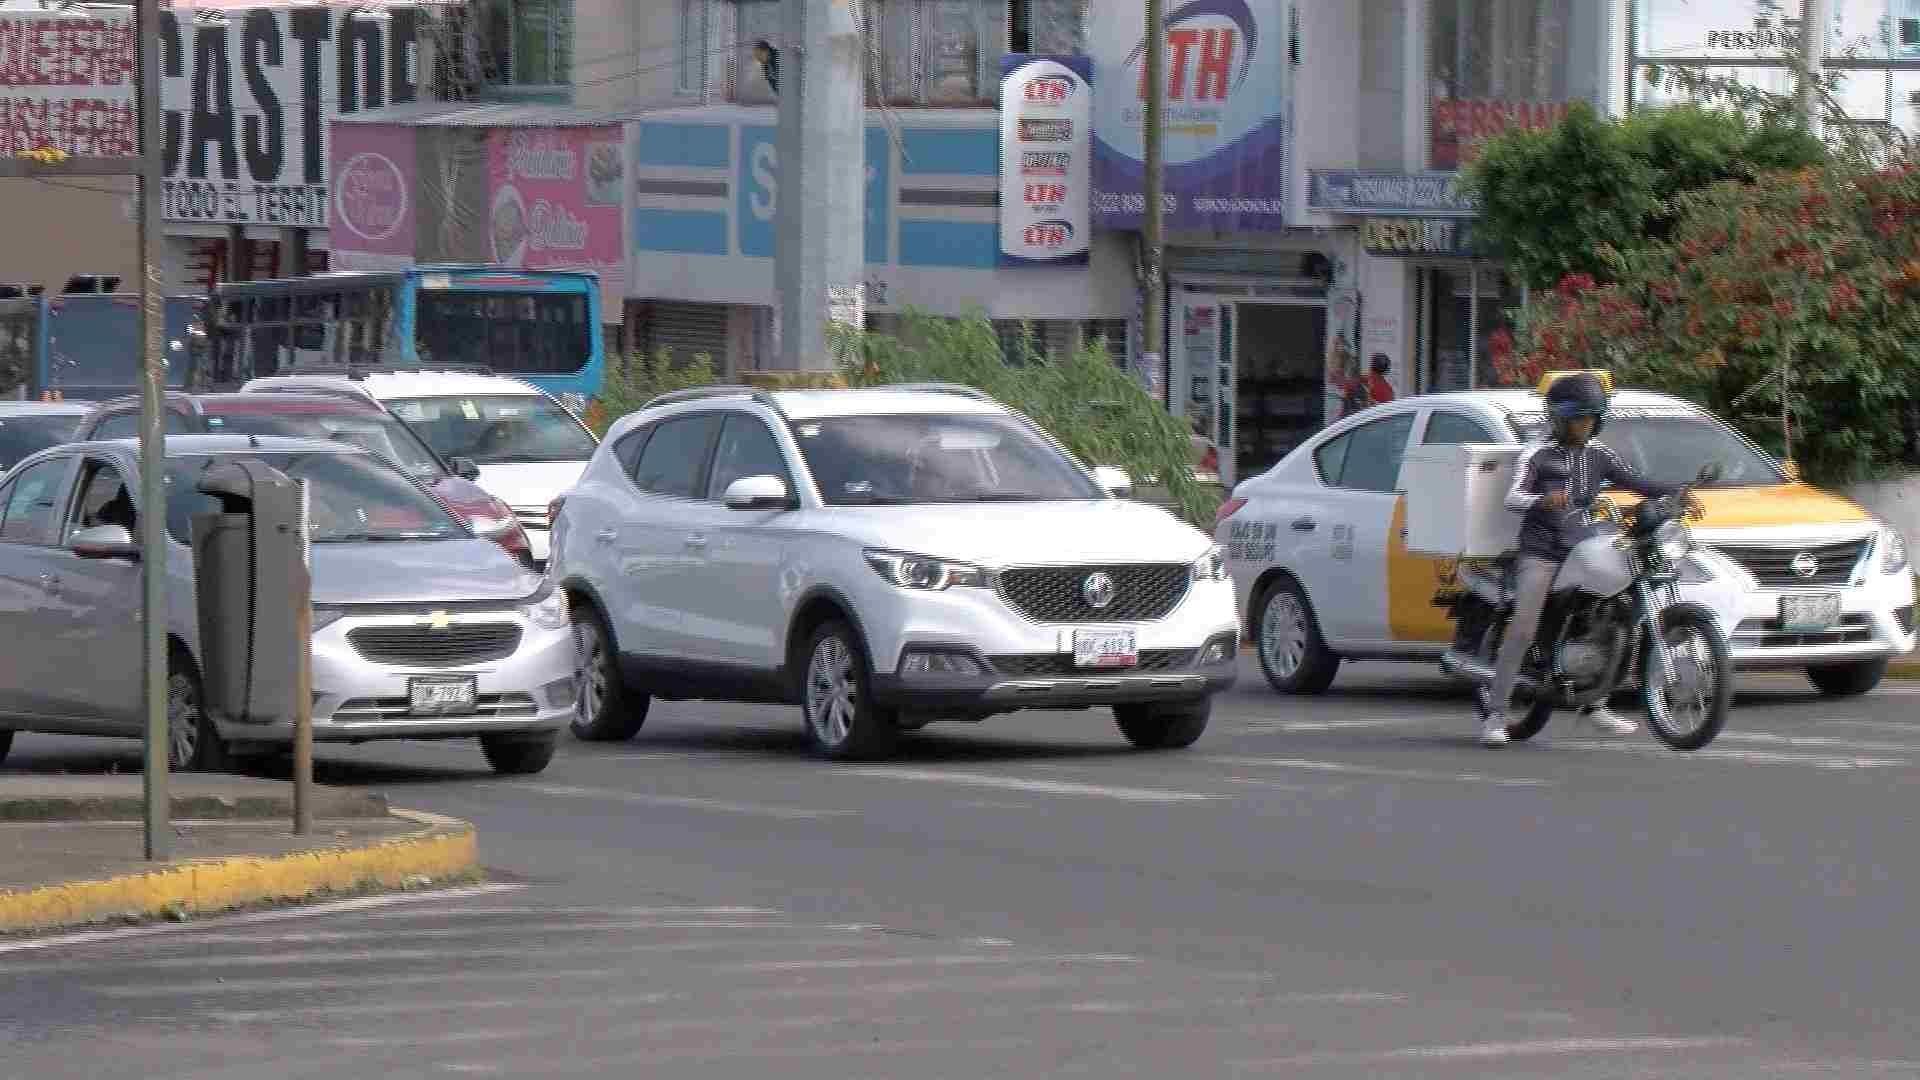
(549,612)
(924,572)
(1212,566)
(1893,552)
(1674,540)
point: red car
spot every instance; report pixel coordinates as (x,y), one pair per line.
(358,421)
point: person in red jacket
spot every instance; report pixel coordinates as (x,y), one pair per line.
(1378,388)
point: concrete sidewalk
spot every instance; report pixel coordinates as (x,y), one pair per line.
(71,848)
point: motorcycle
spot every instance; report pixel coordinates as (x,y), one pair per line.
(1613,621)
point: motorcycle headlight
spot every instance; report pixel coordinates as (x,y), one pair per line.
(1893,552)
(924,572)
(1212,566)
(1674,541)
(549,612)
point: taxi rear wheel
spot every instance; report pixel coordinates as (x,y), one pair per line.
(1848,680)
(1293,655)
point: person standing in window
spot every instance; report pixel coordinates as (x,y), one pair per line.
(768,58)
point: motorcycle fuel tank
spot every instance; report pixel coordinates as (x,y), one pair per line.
(1597,567)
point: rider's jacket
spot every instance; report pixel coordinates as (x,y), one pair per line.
(1545,466)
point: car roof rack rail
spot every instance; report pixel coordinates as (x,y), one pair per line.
(961,389)
(701,393)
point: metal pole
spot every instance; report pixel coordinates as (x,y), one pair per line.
(153,376)
(1473,325)
(303,680)
(1153,320)
(819,209)
(1813,51)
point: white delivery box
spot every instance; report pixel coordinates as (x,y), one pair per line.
(1456,499)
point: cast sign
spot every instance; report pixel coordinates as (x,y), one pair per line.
(249,98)
(1046,107)
(66,83)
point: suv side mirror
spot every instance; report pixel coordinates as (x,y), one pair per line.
(104,542)
(465,468)
(1114,482)
(758,493)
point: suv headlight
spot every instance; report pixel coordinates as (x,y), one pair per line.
(1212,566)
(924,572)
(1893,552)
(549,612)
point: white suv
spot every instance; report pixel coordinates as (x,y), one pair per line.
(530,448)
(882,558)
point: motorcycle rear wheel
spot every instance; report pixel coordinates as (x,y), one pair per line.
(1697,703)
(1538,713)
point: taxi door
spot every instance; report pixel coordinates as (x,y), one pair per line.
(1346,543)
(1414,579)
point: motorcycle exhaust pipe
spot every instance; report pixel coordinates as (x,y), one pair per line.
(1454,662)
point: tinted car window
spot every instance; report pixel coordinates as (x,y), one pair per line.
(747,448)
(32,503)
(368,429)
(931,458)
(676,456)
(104,500)
(1447,427)
(351,498)
(1669,445)
(126,425)
(497,428)
(26,434)
(627,450)
(1331,458)
(1373,454)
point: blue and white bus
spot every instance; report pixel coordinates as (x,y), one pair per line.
(539,325)
(86,346)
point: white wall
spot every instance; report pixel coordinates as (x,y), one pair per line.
(626,51)
(1326,98)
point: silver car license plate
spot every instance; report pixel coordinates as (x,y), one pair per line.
(441,697)
(1105,649)
(1808,614)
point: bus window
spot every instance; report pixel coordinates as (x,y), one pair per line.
(532,334)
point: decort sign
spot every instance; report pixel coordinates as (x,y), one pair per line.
(66,83)
(1046,108)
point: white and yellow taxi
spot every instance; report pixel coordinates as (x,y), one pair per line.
(1317,544)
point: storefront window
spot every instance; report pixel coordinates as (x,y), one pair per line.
(919,52)
(1493,65)
(1459,326)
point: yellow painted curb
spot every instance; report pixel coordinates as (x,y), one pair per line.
(444,847)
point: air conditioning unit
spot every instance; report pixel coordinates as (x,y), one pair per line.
(93,283)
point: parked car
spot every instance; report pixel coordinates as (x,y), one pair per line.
(1798,578)
(27,427)
(530,449)
(403,594)
(344,418)
(881,558)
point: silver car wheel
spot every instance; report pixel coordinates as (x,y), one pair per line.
(590,672)
(183,720)
(832,691)
(1283,634)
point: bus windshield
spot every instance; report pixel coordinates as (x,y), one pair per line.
(526,333)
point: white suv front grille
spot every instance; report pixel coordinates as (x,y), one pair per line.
(1060,594)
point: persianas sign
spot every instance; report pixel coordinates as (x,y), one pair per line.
(1461,126)
(249,96)
(1044,180)
(66,83)
(1225,130)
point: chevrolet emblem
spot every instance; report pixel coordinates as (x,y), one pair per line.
(439,620)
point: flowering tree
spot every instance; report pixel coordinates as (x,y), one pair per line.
(1806,283)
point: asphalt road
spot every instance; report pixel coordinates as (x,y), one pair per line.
(1338,887)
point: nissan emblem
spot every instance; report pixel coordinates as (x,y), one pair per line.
(1805,565)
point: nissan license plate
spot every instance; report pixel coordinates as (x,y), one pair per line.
(1104,649)
(1804,614)
(441,697)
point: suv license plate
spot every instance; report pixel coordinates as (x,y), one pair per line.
(441,697)
(1803,614)
(1104,649)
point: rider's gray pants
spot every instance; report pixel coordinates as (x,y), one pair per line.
(1532,582)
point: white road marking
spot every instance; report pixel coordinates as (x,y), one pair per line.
(944,984)
(1493,1050)
(954,960)
(1282,785)
(1818,742)
(684,802)
(448,1038)
(359,982)
(387,933)
(1039,787)
(1303,726)
(601,1066)
(1876,725)
(97,937)
(1738,756)
(572,1003)
(1127,1008)
(630,912)
(455,953)
(1371,770)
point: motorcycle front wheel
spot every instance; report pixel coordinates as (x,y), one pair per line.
(1702,690)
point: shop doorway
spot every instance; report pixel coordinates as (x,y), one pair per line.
(1462,306)
(1249,374)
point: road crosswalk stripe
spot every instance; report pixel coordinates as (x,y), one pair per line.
(1494,1050)
(1379,771)
(454,953)
(1040,787)
(568,1003)
(358,982)
(1717,753)
(683,802)
(951,960)
(1819,742)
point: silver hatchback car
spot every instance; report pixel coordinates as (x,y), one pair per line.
(403,595)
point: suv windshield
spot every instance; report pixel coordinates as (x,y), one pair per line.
(1671,445)
(365,428)
(27,433)
(351,498)
(897,460)
(496,429)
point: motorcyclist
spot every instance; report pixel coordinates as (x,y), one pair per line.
(1554,484)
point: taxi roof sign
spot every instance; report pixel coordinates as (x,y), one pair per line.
(1551,377)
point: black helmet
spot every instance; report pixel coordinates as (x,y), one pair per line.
(1579,394)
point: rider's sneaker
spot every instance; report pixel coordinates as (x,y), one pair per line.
(1493,732)
(1602,719)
